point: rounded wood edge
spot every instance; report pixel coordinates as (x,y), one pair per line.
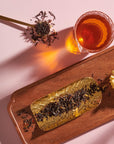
(18,91)
(12,117)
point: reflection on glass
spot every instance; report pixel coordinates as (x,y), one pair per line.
(93,31)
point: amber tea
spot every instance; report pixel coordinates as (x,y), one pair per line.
(93,31)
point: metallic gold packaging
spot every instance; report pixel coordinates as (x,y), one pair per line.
(66,104)
(112,79)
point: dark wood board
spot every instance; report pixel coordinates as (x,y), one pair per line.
(99,66)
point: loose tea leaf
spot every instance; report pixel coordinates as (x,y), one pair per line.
(66,104)
(42,30)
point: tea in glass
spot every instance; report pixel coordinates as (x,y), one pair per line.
(94,31)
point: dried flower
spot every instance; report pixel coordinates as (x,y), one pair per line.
(43,29)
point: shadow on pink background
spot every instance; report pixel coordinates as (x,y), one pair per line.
(43,61)
(8,134)
(39,61)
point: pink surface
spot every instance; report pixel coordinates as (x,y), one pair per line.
(21,63)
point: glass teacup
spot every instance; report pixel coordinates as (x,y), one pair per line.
(93,31)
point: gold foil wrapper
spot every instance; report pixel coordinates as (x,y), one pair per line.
(112,79)
(55,121)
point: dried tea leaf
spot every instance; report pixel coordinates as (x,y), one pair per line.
(66,104)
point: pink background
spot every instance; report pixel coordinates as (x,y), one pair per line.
(22,64)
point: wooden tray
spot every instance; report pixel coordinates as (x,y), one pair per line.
(99,66)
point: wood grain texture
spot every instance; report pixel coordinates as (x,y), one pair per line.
(99,66)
